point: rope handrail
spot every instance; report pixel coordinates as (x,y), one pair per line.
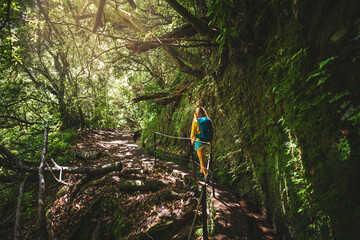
(181,138)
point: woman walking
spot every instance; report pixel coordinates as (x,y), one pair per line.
(202,135)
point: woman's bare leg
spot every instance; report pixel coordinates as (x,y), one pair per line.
(201,155)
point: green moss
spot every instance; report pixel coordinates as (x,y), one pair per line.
(287,120)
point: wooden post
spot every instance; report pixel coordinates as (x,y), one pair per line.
(155,148)
(204,212)
(192,161)
(212,171)
(41,199)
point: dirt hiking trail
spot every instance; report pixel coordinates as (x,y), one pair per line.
(234,218)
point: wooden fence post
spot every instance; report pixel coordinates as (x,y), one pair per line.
(155,148)
(204,213)
(212,171)
(192,160)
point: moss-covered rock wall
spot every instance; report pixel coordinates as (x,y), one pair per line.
(287,116)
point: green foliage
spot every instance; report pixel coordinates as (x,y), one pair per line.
(287,125)
(60,144)
(29,204)
(286,116)
(220,11)
(121,226)
(10,48)
(199,232)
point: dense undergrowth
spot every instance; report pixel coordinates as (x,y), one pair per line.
(286,116)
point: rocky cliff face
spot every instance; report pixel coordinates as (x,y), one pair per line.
(286,114)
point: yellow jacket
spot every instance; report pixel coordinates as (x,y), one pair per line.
(195,129)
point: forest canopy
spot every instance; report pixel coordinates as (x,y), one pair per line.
(75,56)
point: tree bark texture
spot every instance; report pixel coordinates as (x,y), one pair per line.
(99,13)
(41,198)
(117,15)
(185,31)
(97,170)
(151,96)
(200,25)
(88,155)
(17,227)
(132,4)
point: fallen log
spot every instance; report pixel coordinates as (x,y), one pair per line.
(88,155)
(26,167)
(140,185)
(102,179)
(97,170)
(134,171)
(169,194)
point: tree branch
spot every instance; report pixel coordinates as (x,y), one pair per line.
(182,66)
(38,84)
(200,25)
(13,159)
(17,119)
(99,13)
(132,4)
(185,31)
(151,96)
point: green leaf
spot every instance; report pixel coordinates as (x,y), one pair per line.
(338,35)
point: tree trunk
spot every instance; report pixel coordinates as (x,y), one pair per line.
(17,228)
(98,22)
(41,198)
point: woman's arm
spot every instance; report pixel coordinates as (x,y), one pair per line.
(193,130)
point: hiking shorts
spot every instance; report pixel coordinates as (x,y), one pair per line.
(199,146)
